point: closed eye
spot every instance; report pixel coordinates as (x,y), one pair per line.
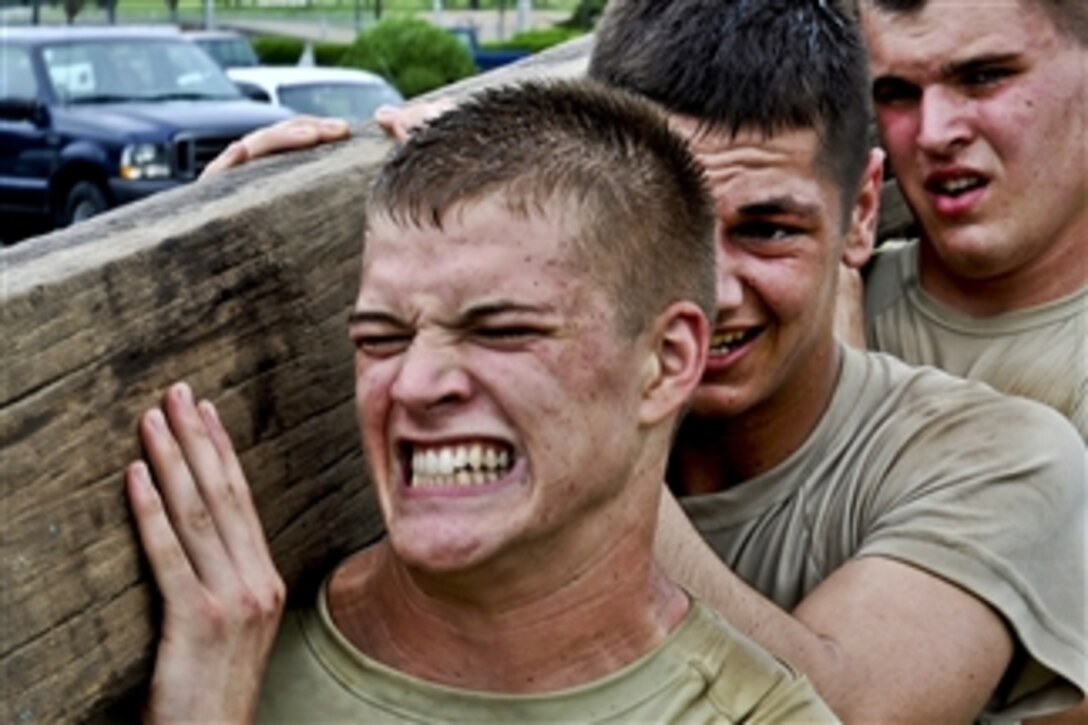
(506,335)
(381,346)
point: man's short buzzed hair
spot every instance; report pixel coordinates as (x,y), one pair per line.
(1069,17)
(763,65)
(641,213)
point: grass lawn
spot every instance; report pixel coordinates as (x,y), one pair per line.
(333,12)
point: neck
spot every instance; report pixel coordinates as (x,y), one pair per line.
(440,629)
(1056,274)
(714,454)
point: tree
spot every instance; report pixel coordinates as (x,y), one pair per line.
(412,54)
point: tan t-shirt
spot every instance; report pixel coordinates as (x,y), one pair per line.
(1039,353)
(704,672)
(981,489)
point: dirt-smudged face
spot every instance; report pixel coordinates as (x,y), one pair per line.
(497,398)
(780,243)
(983,113)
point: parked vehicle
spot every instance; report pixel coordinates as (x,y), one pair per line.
(93,117)
(484,59)
(340,92)
(226,47)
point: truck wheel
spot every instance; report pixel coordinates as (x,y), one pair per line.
(84,200)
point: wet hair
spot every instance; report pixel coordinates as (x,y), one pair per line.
(602,158)
(763,65)
(1069,17)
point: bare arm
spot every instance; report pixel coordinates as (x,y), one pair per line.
(222,596)
(303,132)
(299,132)
(880,640)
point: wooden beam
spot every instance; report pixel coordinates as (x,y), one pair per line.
(240,285)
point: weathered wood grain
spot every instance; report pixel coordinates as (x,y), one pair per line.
(240,285)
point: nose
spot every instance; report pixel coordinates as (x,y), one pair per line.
(730,291)
(943,125)
(431,375)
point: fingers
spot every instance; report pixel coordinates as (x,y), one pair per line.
(295,133)
(204,493)
(400,122)
(232,505)
(173,574)
(233,155)
(223,597)
(299,132)
(189,476)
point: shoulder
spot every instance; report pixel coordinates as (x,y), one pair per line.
(745,681)
(924,437)
(890,271)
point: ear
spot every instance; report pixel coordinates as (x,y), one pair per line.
(679,341)
(866,210)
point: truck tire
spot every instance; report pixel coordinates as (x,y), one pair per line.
(84,200)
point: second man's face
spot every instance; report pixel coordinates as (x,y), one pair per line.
(779,247)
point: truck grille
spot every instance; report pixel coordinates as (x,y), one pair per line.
(193,153)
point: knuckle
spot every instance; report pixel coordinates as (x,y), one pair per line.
(199,519)
(248,608)
(213,620)
(277,595)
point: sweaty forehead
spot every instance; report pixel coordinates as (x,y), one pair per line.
(944,34)
(472,257)
(762,173)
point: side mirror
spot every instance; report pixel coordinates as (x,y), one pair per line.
(24,109)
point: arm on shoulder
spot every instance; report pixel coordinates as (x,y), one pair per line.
(879,639)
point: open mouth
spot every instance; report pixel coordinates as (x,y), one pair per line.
(463,464)
(723,343)
(955,187)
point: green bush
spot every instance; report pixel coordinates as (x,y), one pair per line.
(537,40)
(412,54)
(585,16)
(274,50)
(326,53)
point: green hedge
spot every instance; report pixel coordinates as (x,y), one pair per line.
(412,54)
(326,53)
(536,40)
(276,50)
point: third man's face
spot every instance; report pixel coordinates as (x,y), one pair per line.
(982,110)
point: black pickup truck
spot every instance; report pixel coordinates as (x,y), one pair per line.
(93,117)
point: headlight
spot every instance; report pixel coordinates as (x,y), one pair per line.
(145,161)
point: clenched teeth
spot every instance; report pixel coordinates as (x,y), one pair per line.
(462,465)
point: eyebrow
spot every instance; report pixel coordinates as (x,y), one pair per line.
(362,317)
(779,205)
(472,316)
(958,68)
